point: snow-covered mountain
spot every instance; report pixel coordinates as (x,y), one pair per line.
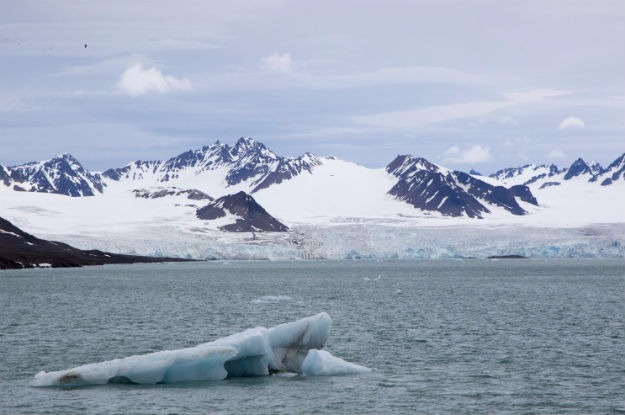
(62,174)
(615,172)
(580,167)
(220,169)
(246,214)
(412,208)
(546,176)
(428,186)
(248,164)
(526,174)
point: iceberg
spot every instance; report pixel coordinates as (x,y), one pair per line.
(323,363)
(289,347)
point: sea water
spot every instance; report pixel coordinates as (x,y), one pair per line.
(442,337)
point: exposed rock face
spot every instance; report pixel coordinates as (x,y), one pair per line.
(549,184)
(5,175)
(430,187)
(524,193)
(614,172)
(191,194)
(249,216)
(19,249)
(496,195)
(578,168)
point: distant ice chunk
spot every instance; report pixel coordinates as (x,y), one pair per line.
(270,299)
(323,363)
(290,347)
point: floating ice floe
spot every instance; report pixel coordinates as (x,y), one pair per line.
(290,347)
(271,299)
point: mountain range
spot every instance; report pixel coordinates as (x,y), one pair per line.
(248,165)
(592,172)
(243,201)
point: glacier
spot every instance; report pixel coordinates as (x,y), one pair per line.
(378,241)
(290,347)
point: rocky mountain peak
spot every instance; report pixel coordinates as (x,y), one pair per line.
(429,187)
(62,174)
(578,168)
(245,144)
(247,160)
(614,172)
(247,214)
(407,164)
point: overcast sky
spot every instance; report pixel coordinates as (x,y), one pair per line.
(467,84)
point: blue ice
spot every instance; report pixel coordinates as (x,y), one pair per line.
(290,347)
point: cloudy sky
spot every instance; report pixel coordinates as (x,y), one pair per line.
(467,84)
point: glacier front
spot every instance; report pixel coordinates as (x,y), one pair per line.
(290,347)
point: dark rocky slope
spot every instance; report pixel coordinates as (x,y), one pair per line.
(250,216)
(427,186)
(19,249)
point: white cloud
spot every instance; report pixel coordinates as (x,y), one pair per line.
(278,63)
(474,154)
(571,123)
(137,81)
(556,154)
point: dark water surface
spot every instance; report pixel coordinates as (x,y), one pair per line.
(444,337)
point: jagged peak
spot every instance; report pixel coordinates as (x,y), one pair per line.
(579,162)
(247,160)
(577,168)
(617,163)
(247,146)
(62,174)
(69,159)
(65,158)
(246,141)
(405,162)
